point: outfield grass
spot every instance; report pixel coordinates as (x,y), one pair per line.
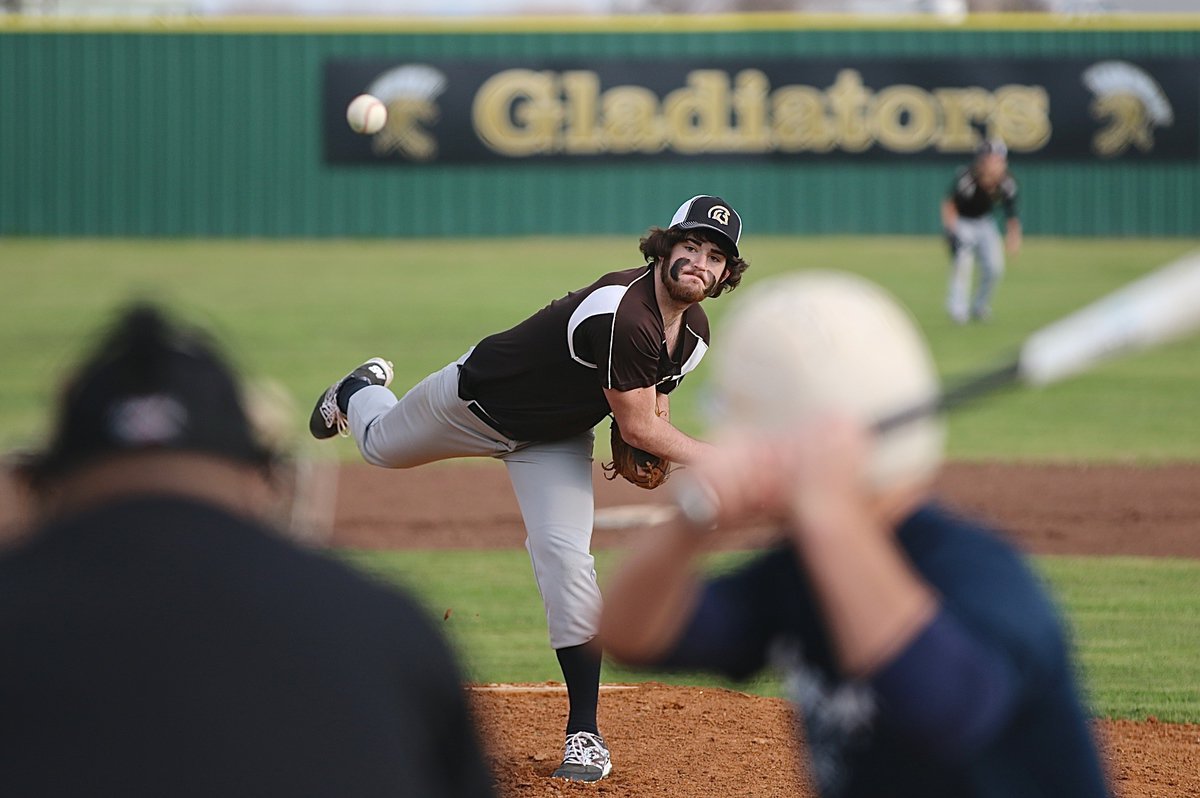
(1137,628)
(1135,621)
(304,312)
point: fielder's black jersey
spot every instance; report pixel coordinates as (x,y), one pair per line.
(973,202)
(544,379)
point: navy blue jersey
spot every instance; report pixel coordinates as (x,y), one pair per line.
(1024,733)
(544,379)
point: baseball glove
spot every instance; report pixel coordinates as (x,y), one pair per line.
(639,467)
(953,242)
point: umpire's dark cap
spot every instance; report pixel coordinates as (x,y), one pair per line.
(715,214)
(149,385)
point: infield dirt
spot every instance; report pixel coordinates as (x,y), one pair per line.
(706,742)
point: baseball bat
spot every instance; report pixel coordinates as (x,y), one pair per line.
(1158,308)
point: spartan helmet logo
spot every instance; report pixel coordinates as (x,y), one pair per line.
(1131,102)
(720,213)
(409,92)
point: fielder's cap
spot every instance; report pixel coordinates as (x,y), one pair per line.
(711,212)
(992,147)
(149,385)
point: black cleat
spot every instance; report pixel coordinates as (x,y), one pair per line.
(327,418)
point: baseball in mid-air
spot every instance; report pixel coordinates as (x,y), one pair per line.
(366,114)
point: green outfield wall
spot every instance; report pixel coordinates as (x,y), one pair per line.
(808,125)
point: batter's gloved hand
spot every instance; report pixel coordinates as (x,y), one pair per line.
(952,241)
(639,467)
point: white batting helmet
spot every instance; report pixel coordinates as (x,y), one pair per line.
(817,341)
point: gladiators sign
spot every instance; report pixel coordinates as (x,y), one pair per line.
(463,111)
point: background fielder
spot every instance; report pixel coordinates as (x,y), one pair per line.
(970,229)
(530,396)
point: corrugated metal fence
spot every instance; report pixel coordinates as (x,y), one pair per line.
(214,129)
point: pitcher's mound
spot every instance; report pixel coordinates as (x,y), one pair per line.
(694,742)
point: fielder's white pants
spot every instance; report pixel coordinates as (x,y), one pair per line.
(552,482)
(979,244)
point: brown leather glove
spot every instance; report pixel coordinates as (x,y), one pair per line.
(639,467)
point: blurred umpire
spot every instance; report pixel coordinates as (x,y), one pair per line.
(159,637)
(970,230)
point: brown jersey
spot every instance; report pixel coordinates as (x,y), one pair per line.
(544,379)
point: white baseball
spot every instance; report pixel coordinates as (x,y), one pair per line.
(366,114)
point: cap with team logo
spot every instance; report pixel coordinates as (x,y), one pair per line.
(713,213)
(150,384)
(992,147)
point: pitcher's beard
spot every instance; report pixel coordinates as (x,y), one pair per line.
(685,292)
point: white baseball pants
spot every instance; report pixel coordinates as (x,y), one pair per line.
(552,482)
(979,244)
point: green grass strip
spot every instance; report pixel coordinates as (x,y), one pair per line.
(1135,622)
(305,312)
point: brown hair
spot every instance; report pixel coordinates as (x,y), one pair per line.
(658,243)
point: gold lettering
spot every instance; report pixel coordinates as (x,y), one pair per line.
(521,113)
(518,113)
(904,118)
(800,123)
(750,94)
(962,109)
(1021,117)
(631,121)
(694,115)
(581,91)
(848,99)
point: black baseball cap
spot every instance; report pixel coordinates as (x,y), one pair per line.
(149,385)
(714,213)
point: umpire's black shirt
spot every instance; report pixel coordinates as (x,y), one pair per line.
(161,647)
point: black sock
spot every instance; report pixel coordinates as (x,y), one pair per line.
(350,386)
(581,671)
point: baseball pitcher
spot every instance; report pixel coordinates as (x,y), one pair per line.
(531,395)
